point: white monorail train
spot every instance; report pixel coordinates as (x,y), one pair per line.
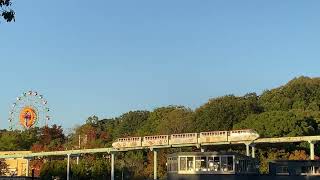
(187,138)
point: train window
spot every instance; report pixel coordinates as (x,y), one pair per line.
(216,163)
(227,163)
(190,161)
(224,164)
(283,170)
(210,164)
(183,163)
(174,165)
(230,163)
(304,169)
(201,163)
(198,163)
(169,164)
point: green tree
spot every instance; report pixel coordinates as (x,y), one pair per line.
(129,123)
(28,138)
(272,154)
(93,120)
(300,93)
(9,141)
(131,164)
(5,10)
(223,112)
(55,168)
(279,123)
(168,120)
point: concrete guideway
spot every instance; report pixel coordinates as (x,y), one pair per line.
(310,139)
(287,139)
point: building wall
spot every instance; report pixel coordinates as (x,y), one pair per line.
(16,166)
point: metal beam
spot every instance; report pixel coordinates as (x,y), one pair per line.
(253,151)
(112,166)
(68,167)
(248,149)
(155,164)
(78,160)
(311,150)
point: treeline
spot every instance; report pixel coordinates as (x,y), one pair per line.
(290,110)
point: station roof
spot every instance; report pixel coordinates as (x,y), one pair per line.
(206,154)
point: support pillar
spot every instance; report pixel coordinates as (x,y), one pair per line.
(27,167)
(155,163)
(112,166)
(253,151)
(68,167)
(78,159)
(248,149)
(312,149)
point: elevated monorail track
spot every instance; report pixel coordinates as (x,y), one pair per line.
(310,139)
(164,141)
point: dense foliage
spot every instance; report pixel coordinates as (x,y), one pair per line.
(290,110)
(5,10)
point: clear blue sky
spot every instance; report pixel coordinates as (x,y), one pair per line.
(108,57)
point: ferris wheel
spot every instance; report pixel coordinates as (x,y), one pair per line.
(29,110)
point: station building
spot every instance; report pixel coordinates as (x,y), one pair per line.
(15,166)
(235,166)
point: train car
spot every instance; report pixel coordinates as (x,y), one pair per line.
(186,138)
(129,142)
(159,140)
(243,135)
(213,137)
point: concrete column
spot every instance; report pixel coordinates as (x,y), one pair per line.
(253,151)
(248,149)
(311,150)
(155,163)
(68,167)
(27,167)
(112,166)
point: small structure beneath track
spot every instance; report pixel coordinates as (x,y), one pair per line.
(184,165)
